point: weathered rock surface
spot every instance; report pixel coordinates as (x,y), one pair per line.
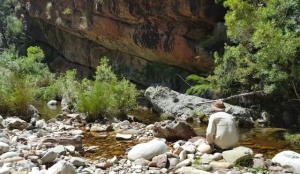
(165,100)
(132,33)
(173,130)
(238,154)
(147,150)
(288,158)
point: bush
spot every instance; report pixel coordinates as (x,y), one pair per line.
(106,96)
(20,80)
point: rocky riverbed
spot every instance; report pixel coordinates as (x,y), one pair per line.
(56,147)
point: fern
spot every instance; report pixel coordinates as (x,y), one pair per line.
(202,85)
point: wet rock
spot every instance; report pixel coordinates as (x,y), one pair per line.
(238,154)
(172,130)
(288,158)
(52,103)
(147,150)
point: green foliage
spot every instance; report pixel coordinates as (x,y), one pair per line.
(106,95)
(202,85)
(264,49)
(67,11)
(292,137)
(11,25)
(21,79)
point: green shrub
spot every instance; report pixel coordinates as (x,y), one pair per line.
(107,95)
(21,79)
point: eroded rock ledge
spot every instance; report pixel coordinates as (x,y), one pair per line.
(181,33)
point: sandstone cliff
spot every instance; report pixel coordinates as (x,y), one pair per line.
(139,36)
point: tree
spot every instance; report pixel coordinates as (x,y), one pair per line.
(263,53)
(11,25)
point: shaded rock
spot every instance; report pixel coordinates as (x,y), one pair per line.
(3,148)
(288,158)
(238,154)
(246,122)
(172,130)
(147,150)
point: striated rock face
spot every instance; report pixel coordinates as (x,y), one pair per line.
(132,33)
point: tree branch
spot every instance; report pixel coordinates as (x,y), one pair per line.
(234,96)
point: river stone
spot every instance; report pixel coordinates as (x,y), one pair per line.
(172,130)
(61,167)
(288,158)
(221,164)
(15,123)
(5,170)
(160,160)
(147,150)
(3,147)
(238,154)
(123,136)
(60,149)
(77,161)
(52,103)
(190,170)
(50,156)
(205,148)
(77,132)
(8,155)
(70,148)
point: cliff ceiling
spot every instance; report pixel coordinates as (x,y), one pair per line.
(136,35)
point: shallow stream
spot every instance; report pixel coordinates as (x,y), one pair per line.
(268,141)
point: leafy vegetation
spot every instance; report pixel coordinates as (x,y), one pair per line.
(292,137)
(262,54)
(106,96)
(264,49)
(67,11)
(11,26)
(20,79)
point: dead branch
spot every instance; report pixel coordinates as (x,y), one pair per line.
(234,96)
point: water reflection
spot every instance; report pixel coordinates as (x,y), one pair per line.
(46,111)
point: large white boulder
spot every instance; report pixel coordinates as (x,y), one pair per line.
(147,150)
(238,154)
(61,167)
(288,158)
